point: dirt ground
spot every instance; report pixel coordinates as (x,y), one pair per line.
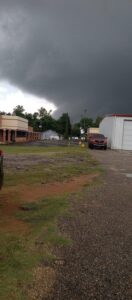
(22,162)
(11,197)
(97,266)
(9,208)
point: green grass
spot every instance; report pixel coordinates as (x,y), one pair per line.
(54,173)
(66,162)
(19,254)
(42,211)
(7,149)
(15,266)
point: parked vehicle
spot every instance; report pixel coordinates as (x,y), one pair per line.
(96,140)
(1,169)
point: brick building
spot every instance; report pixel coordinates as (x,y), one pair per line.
(16,129)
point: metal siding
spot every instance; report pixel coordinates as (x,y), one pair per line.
(107,128)
(113,129)
(117,142)
(127,135)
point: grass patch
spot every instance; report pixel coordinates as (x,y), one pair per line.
(16,262)
(66,163)
(19,254)
(42,211)
(18,149)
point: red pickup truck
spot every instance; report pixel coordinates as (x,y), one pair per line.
(1,169)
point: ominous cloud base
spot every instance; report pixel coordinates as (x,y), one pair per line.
(75,53)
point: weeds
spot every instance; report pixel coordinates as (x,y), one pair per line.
(68,162)
(20,254)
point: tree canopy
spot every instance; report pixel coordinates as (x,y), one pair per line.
(19,111)
(42,120)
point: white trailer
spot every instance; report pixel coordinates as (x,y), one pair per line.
(118,130)
(93,130)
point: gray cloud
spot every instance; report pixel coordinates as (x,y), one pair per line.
(76,53)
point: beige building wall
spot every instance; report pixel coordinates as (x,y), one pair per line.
(13,123)
(15,129)
(93,130)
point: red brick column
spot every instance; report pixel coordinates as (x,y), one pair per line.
(15,134)
(4,136)
(9,136)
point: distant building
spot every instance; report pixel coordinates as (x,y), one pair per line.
(50,135)
(16,129)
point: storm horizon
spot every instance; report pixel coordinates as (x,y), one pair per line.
(76,55)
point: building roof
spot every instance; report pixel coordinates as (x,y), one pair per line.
(50,132)
(121,115)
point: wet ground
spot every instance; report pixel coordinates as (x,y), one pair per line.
(97,266)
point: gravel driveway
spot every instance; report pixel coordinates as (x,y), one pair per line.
(97,266)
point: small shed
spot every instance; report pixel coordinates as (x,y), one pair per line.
(118,129)
(50,135)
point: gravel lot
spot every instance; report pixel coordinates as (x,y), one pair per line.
(97,266)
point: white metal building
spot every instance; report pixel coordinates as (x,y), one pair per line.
(50,135)
(118,129)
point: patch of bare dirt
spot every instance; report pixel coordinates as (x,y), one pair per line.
(21,162)
(8,222)
(9,207)
(30,193)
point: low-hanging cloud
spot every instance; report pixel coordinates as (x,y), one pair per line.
(75,53)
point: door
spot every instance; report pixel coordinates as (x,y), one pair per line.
(127,135)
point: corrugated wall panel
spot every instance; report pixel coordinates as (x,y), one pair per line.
(118,130)
(127,135)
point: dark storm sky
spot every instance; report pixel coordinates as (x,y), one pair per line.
(75,53)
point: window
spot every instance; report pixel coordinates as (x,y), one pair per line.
(21,133)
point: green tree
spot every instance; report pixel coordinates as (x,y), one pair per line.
(45,119)
(47,123)
(19,111)
(43,112)
(64,125)
(76,130)
(97,121)
(36,121)
(29,117)
(85,123)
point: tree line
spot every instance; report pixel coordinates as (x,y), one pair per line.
(42,120)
